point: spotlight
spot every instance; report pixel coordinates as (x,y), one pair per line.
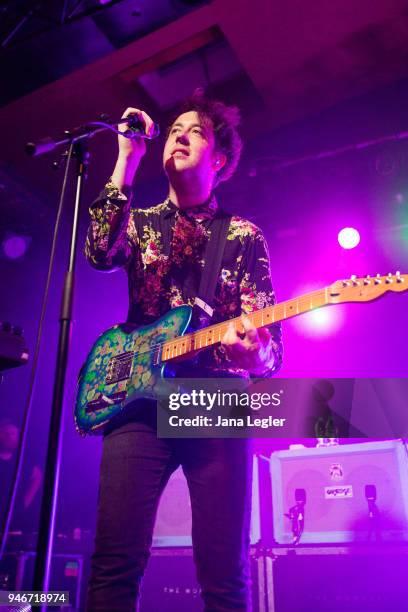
(348,238)
(15,246)
(320,323)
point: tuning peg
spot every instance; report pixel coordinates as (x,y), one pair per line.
(399,277)
(367,280)
(354,280)
(377,280)
(389,279)
(346,283)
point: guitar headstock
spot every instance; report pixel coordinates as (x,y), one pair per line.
(367,288)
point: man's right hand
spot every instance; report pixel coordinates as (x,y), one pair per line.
(131,151)
(135,147)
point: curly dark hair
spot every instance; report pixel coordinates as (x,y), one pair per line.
(224,121)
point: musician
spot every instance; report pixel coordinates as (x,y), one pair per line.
(161,249)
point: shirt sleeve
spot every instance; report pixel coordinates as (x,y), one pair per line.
(256,291)
(110,238)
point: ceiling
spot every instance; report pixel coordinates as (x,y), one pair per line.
(278,60)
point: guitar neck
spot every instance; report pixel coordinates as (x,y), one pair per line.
(209,336)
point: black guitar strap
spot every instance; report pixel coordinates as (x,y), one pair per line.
(214,250)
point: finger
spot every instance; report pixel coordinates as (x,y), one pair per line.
(251,332)
(149,124)
(130,111)
(230,335)
(142,116)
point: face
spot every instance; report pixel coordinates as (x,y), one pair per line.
(189,152)
(8,438)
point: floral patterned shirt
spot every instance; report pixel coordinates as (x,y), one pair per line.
(162,250)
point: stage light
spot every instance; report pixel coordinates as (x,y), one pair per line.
(348,238)
(321,322)
(15,246)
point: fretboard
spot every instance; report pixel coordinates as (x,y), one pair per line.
(213,334)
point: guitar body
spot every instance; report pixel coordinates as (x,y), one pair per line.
(123,365)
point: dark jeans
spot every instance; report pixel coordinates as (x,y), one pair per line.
(135,468)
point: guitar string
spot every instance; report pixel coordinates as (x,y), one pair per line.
(300,300)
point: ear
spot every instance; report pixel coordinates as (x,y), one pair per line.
(219,161)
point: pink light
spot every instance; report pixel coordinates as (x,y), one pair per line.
(15,246)
(321,322)
(348,238)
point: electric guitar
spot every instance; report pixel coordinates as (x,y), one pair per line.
(128,362)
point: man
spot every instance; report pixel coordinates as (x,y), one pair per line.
(162,250)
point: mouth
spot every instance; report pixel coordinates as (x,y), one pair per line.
(180,152)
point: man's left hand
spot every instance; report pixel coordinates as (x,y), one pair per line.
(251,351)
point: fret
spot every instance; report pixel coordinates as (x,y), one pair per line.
(266,316)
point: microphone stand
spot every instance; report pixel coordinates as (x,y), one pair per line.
(78,148)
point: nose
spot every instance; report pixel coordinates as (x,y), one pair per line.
(182,138)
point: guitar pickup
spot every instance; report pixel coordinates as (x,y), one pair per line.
(105,400)
(119,368)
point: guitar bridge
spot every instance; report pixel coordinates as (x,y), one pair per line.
(119,368)
(103,401)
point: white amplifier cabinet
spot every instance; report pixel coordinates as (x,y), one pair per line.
(173,521)
(336,481)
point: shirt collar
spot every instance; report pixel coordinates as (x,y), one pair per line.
(201,212)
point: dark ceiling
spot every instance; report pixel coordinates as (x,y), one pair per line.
(60,36)
(67,61)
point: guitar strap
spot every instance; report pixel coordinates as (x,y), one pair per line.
(214,250)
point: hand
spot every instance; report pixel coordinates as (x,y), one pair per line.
(253,352)
(134,148)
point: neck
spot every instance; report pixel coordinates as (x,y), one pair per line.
(186,196)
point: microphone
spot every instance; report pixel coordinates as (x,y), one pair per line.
(296,515)
(137,127)
(370,491)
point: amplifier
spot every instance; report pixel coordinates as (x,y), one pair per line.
(173,521)
(170,583)
(362,578)
(353,492)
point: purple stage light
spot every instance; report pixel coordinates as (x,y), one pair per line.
(348,237)
(15,247)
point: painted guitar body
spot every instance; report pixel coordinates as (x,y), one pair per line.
(123,365)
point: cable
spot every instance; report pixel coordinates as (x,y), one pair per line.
(28,405)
